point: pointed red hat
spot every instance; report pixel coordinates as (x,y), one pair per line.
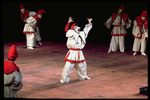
(121,7)
(40,12)
(22,6)
(144,14)
(72,26)
(12,53)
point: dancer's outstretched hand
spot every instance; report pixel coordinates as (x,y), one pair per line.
(89,19)
(70,19)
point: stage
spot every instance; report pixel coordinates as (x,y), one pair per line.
(113,75)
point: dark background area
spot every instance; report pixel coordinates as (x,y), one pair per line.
(56,16)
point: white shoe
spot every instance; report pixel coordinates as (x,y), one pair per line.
(30,48)
(122,51)
(143,54)
(134,54)
(61,81)
(109,51)
(40,43)
(88,78)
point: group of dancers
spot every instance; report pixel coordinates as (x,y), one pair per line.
(75,42)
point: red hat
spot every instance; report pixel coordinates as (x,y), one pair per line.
(144,14)
(72,26)
(12,53)
(121,7)
(22,6)
(36,17)
(40,12)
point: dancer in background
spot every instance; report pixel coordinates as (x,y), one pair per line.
(12,75)
(140,33)
(30,29)
(76,42)
(24,14)
(118,33)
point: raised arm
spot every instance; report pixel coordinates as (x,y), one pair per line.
(67,25)
(88,27)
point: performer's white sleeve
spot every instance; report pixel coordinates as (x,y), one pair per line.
(87,28)
(128,24)
(108,22)
(136,29)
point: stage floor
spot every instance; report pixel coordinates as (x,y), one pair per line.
(113,75)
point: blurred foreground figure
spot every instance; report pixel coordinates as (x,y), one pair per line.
(76,42)
(12,75)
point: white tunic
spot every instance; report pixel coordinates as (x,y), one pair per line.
(30,25)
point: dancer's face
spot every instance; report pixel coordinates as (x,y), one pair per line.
(120,11)
(40,16)
(22,11)
(143,18)
(77,29)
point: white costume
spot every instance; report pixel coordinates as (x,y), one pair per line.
(37,32)
(76,42)
(29,30)
(139,37)
(118,33)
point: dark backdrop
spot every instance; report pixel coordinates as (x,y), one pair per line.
(56,16)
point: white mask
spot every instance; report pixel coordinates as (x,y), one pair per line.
(39,16)
(22,10)
(76,28)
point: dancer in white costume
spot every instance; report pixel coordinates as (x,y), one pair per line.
(30,29)
(24,14)
(118,33)
(76,42)
(140,33)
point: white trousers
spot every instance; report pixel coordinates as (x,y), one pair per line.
(37,35)
(30,38)
(139,42)
(80,67)
(117,41)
